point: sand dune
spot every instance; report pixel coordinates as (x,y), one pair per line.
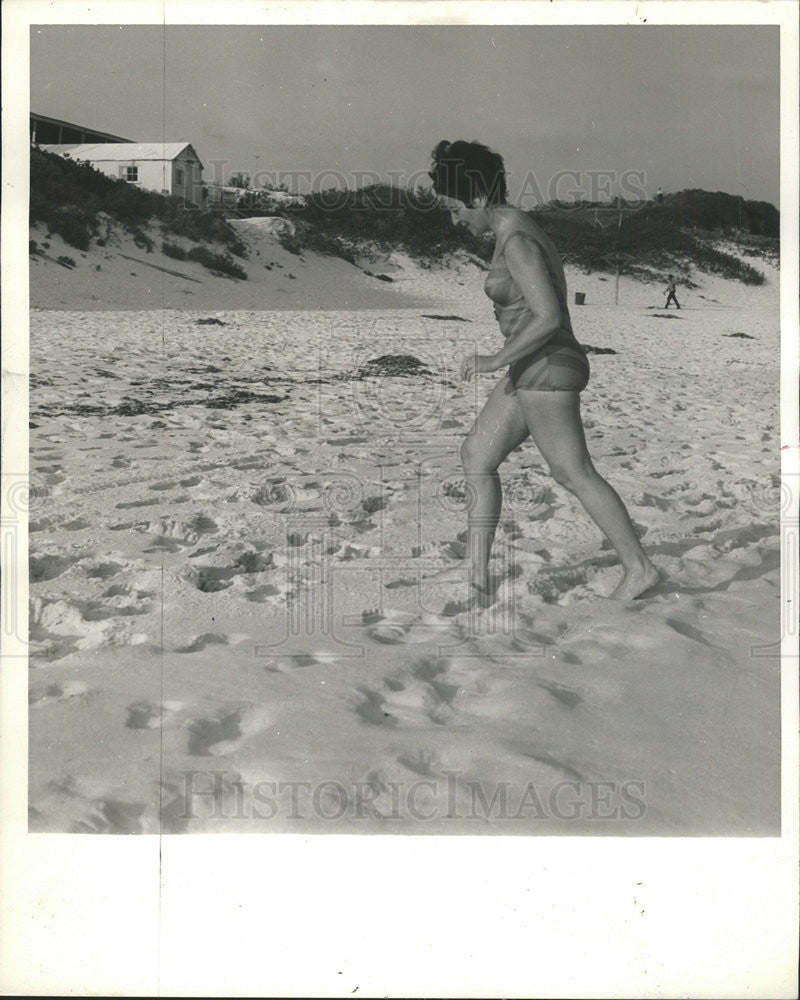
(122,274)
(233,625)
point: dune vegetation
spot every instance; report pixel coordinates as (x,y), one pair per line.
(689,229)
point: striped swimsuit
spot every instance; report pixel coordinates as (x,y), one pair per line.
(561,363)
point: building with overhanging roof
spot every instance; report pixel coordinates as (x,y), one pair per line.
(172,168)
(49,130)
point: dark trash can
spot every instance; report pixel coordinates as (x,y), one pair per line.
(580,298)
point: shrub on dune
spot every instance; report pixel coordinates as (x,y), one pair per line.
(221,262)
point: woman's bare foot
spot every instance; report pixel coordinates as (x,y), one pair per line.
(634,583)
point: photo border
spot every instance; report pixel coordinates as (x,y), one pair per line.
(239,915)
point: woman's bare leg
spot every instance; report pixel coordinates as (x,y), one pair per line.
(554,421)
(499,428)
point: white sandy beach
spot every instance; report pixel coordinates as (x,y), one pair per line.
(230,536)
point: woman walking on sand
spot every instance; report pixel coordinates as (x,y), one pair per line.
(547,369)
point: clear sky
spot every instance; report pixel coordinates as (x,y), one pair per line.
(646,107)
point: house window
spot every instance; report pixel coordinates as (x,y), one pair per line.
(179,177)
(130,174)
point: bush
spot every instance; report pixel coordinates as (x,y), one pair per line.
(290,242)
(715,261)
(725,212)
(72,223)
(142,240)
(200,226)
(653,237)
(222,262)
(173,250)
(385,217)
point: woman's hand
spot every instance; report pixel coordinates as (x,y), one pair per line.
(476,363)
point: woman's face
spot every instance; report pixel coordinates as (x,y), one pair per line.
(473,218)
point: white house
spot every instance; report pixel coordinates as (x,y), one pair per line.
(167,167)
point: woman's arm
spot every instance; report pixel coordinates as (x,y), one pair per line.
(527,266)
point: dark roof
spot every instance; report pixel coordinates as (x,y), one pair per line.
(106,136)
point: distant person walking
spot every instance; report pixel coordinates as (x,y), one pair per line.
(670,290)
(659,196)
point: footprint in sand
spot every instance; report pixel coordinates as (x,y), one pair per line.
(263,593)
(422,695)
(171,484)
(136,503)
(182,534)
(563,694)
(53,479)
(112,816)
(563,767)
(651,500)
(404,581)
(459,675)
(48,567)
(689,632)
(130,597)
(209,579)
(104,570)
(373,708)
(226,730)
(68,804)
(61,625)
(374,504)
(348,552)
(148,715)
(444,682)
(77,524)
(234,566)
(41,524)
(404,628)
(117,605)
(557,586)
(200,642)
(423,761)
(667,472)
(76,692)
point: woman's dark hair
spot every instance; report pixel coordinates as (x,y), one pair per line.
(468,170)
